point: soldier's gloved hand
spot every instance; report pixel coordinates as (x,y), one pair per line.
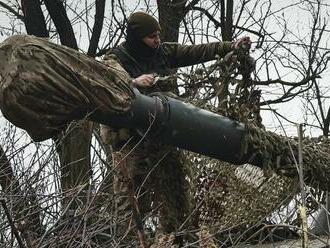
(230,58)
(242,43)
(250,64)
(145,80)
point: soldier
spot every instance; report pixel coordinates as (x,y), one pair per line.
(156,170)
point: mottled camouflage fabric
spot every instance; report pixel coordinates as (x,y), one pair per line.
(44,86)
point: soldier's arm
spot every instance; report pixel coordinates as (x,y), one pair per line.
(144,80)
(184,55)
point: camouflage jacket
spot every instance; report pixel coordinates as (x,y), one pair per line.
(168,57)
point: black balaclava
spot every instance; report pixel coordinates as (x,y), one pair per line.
(140,25)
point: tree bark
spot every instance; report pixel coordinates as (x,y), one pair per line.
(97,28)
(227,19)
(74,152)
(34,19)
(62,23)
(171,13)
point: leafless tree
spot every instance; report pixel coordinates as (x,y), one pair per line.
(60,193)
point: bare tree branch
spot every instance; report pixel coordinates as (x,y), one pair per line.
(170,16)
(11,223)
(62,23)
(34,19)
(6,172)
(97,28)
(217,23)
(12,10)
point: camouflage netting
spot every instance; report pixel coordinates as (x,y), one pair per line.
(230,196)
(234,197)
(75,86)
(279,153)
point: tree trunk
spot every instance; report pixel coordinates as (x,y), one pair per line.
(97,28)
(62,23)
(33,18)
(171,14)
(74,153)
(227,19)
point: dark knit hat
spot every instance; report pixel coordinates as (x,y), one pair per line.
(142,24)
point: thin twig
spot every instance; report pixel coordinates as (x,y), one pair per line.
(11,223)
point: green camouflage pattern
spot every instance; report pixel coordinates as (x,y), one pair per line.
(231,197)
(158,175)
(167,59)
(44,86)
(161,172)
(280,154)
(170,55)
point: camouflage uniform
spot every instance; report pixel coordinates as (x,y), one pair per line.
(168,56)
(158,171)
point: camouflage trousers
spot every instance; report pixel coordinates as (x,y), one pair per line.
(157,176)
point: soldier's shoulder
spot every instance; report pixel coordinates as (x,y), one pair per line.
(114,50)
(168,47)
